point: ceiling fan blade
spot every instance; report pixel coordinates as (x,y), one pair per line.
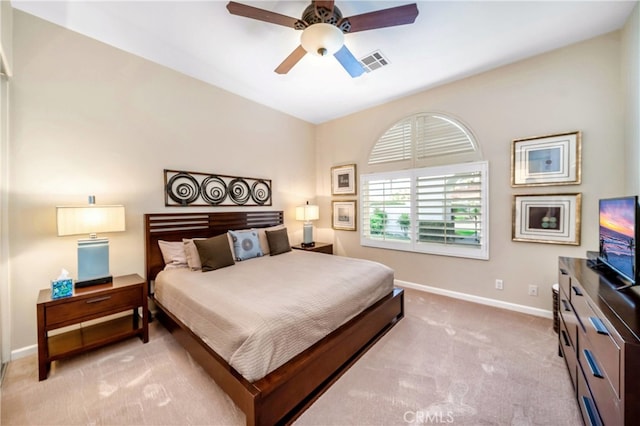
(349,62)
(383,18)
(261,14)
(291,60)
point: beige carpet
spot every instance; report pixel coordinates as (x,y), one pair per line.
(446,362)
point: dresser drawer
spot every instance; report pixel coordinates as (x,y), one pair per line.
(609,406)
(564,280)
(568,352)
(595,337)
(586,402)
(92,306)
(569,317)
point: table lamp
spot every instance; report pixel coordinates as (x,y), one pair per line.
(93,252)
(307,213)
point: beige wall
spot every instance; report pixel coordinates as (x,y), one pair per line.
(91,119)
(575,88)
(631,87)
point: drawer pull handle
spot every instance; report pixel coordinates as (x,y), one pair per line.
(567,307)
(593,366)
(98,299)
(576,290)
(594,419)
(566,339)
(599,325)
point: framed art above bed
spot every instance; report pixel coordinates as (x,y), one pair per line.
(195,189)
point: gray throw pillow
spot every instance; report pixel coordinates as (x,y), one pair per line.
(214,252)
(278,241)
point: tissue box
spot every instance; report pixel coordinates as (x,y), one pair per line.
(61,288)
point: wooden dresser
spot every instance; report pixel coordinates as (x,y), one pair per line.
(599,337)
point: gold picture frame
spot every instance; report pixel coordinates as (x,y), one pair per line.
(547,218)
(343,180)
(547,160)
(344,215)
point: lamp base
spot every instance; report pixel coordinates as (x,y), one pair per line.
(305,245)
(94,281)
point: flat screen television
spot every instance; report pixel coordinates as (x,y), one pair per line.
(618,233)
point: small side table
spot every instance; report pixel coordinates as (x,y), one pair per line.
(317,248)
(127,292)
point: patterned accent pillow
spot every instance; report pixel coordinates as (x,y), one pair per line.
(246,244)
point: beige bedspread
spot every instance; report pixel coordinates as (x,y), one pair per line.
(259,313)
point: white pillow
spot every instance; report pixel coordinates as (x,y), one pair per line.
(191,252)
(173,254)
(262,236)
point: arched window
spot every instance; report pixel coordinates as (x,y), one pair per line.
(425,139)
(432,196)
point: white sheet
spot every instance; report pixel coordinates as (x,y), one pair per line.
(259,313)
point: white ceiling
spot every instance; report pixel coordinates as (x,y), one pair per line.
(449,40)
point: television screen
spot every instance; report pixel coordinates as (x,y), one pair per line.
(618,218)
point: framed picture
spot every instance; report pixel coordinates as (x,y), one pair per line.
(343,180)
(344,215)
(553,218)
(546,160)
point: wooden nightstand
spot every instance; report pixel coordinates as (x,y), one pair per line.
(128,292)
(318,248)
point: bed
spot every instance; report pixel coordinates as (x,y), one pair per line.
(289,387)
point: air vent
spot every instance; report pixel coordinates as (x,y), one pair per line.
(374,61)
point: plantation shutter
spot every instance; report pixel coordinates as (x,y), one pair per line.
(421,139)
(394,145)
(386,199)
(439,210)
(438,136)
(449,208)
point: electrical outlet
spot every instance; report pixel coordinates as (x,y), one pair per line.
(499,285)
(533,290)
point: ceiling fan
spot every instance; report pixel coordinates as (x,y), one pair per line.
(323,29)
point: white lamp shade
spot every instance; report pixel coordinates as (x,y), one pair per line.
(307,212)
(89,219)
(322,39)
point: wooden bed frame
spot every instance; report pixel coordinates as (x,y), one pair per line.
(285,393)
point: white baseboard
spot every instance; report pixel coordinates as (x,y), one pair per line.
(23,352)
(477,299)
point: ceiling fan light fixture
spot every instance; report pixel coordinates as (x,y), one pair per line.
(322,39)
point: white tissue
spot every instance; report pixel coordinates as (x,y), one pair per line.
(64,275)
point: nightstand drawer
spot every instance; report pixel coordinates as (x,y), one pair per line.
(92,306)
(325,248)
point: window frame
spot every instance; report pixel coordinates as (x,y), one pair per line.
(413,245)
